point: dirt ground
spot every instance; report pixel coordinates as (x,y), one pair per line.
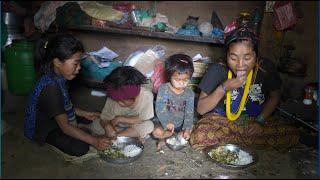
(22,158)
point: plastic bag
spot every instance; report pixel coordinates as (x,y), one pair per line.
(217,33)
(92,70)
(101,11)
(144,59)
(142,14)
(189,31)
(158,77)
(47,14)
(284,15)
(205,28)
(123,7)
(230,27)
(70,14)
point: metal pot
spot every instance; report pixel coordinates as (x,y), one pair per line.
(14,25)
(12,20)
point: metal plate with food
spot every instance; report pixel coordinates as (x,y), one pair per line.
(231,156)
(123,150)
(176,142)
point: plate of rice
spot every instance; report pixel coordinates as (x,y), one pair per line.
(123,150)
(232,156)
(176,142)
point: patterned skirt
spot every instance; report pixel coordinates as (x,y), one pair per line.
(214,129)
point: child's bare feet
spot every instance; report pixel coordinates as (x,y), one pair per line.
(160,144)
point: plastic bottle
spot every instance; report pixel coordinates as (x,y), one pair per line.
(308,96)
(256,19)
(133,15)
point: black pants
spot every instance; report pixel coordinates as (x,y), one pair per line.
(66,143)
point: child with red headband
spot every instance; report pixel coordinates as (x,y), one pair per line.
(129,106)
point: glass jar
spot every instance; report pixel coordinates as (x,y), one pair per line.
(308,95)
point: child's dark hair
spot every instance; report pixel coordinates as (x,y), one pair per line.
(179,63)
(125,75)
(61,46)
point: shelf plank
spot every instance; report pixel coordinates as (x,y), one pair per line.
(145,33)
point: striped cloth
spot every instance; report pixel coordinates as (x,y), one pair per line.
(214,129)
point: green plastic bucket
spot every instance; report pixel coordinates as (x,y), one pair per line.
(19,60)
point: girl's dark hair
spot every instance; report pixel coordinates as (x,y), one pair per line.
(179,63)
(125,75)
(48,47)
(242,34)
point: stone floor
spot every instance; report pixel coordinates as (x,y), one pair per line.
(22,158)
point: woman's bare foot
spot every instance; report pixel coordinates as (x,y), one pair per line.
(160,144)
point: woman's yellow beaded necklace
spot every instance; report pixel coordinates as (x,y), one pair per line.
(231,116)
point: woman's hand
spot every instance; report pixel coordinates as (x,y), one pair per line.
(234,83)
(101,143)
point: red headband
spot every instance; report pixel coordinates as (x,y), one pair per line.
(123,93)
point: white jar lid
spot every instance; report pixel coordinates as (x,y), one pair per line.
(307,101)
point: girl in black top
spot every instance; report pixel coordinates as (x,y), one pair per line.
(50,116)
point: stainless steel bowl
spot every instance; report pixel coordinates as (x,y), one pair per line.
(122,142)
(178,146)
(232,148)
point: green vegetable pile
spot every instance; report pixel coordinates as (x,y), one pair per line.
(223,155)
(114,152)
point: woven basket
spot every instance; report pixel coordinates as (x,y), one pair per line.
(199,68)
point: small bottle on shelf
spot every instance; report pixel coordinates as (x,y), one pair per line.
(256,21)
(133,15)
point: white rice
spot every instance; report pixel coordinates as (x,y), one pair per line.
(177,141)
(172,141)
(131,150)
(183,141)
(243,158)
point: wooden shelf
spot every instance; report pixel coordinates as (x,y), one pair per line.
(145,33)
